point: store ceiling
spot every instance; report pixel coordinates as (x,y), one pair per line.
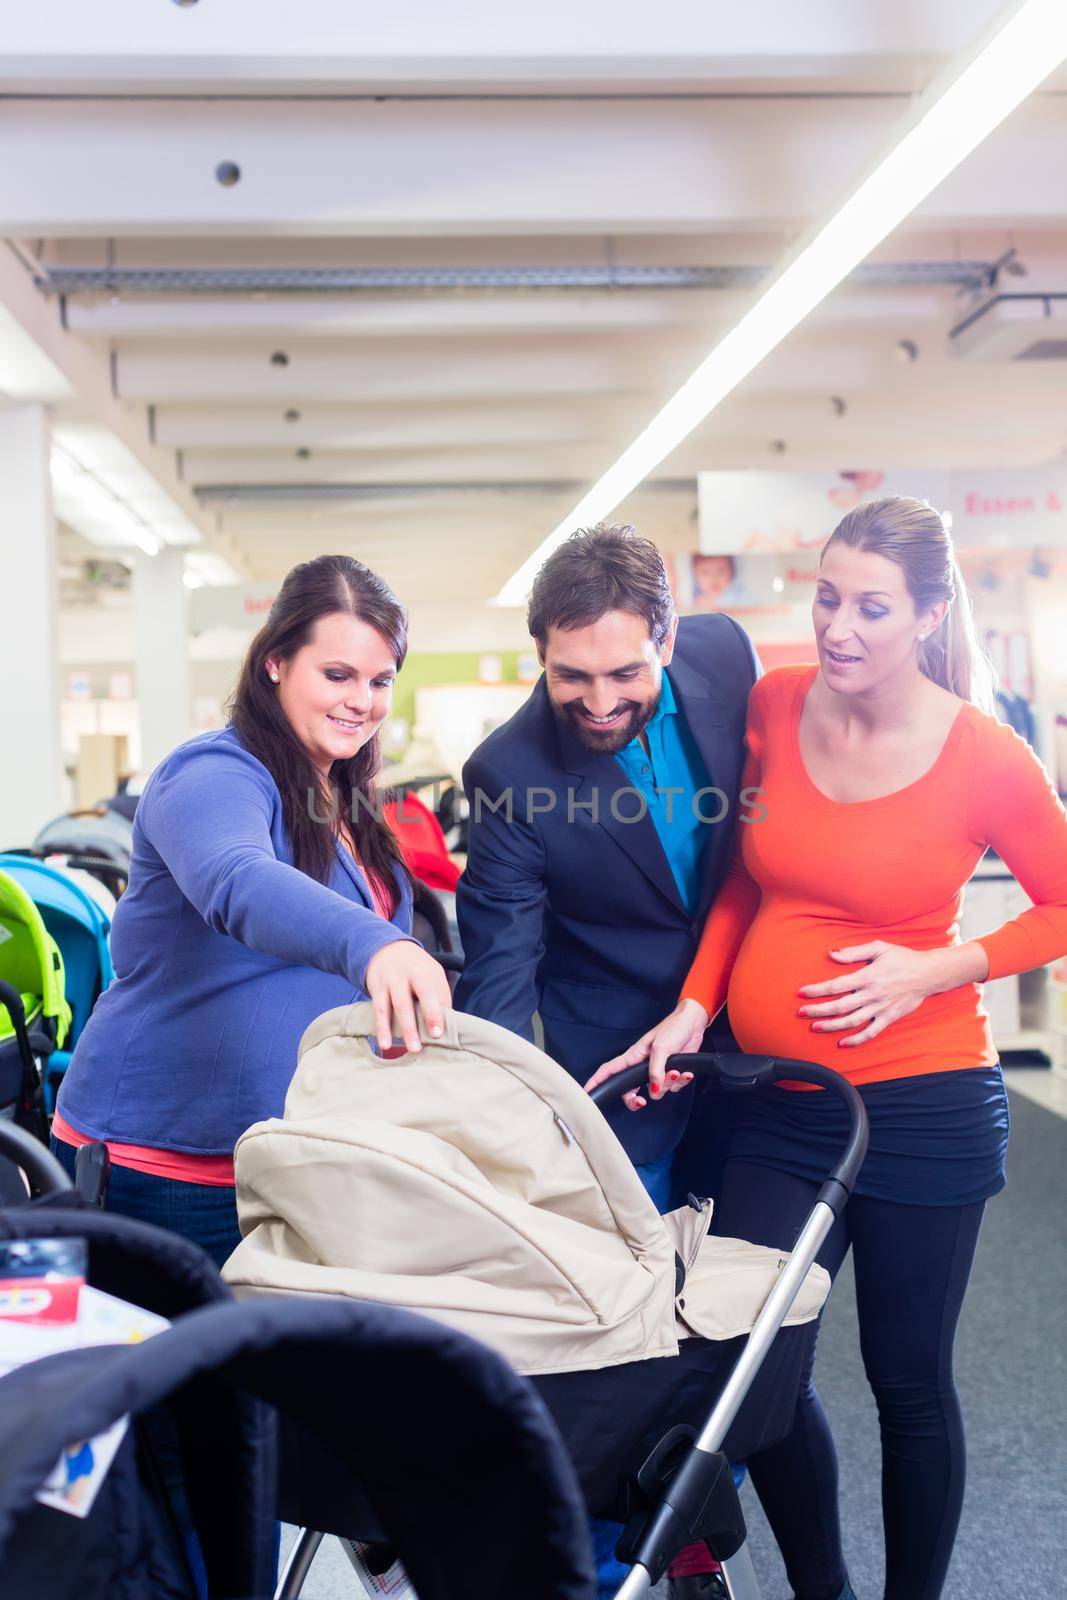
(440,431)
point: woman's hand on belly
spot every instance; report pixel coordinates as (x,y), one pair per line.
(893,982)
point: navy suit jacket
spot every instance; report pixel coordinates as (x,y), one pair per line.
(576,915)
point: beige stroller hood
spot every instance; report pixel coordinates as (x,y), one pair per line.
(477,1183)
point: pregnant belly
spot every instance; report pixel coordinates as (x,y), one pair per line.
(786,949)
(780,953)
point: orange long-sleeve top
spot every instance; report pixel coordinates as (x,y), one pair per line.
(810,875)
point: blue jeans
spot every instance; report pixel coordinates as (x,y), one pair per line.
(201,1212)
(656,1177)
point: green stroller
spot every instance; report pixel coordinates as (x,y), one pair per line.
(34,1014)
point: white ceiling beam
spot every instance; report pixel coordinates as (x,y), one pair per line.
(106,168)
(936,394)
(389,316)
(812,361)
(377,426)
(473,464)
(446,371)
(458,314)
(248,45)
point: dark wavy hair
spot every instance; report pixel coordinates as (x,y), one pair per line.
(597,570)
(315,589)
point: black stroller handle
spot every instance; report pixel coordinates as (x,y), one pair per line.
(43,1172)
(12,1000)
(31,1095)
(755,1072)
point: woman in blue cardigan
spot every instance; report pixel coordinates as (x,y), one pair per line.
(264,889)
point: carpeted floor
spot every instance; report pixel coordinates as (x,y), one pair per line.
(1012,1373)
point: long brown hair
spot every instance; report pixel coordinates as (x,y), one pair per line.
(913,534)
(312,590)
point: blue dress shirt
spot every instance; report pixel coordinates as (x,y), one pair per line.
(670,776)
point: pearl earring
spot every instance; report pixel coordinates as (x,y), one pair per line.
(274,677)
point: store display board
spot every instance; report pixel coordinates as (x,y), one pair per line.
(782,511)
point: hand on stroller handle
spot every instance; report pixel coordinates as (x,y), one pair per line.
(400,976)
(737,1071)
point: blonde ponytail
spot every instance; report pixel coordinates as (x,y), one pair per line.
(954,655)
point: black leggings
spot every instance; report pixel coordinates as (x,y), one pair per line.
(912,1264)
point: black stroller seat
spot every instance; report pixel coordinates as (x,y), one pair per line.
(416,1435)
(457,1453)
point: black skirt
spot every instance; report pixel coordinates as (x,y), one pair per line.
(935,1140)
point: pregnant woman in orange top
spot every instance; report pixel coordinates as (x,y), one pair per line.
(883,780)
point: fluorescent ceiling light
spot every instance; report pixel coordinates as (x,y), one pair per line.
(959,108)
(192,580)
(88,495)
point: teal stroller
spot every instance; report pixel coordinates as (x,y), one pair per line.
(80,928)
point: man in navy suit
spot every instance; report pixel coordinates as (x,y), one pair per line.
(602,815)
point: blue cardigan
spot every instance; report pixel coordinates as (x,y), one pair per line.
(224,953)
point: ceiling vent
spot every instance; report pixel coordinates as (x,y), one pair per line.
(1014,327)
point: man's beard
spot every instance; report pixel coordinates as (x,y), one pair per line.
(612,740)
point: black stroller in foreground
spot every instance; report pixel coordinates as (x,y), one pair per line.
(477,1467)
(486,1480)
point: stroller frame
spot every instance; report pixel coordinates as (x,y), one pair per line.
(697,1499)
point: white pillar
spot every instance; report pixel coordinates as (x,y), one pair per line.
(31,769)
(162,645)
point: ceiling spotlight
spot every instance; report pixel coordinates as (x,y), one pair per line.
(292,415)
(838,407)
(279,359)
(906,350)
(185,2)
(227,173)
(303,454)
(778,447)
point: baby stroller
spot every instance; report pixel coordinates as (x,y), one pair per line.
(357,1386)
(477,1182)
(98,841)
(34,1014)
(424,849)
(80,928)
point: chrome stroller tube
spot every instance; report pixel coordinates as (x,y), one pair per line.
(741,1072)
(832,1199)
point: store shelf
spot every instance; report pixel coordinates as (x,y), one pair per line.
(1027,1013)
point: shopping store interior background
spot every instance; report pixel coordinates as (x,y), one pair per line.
(408,301)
